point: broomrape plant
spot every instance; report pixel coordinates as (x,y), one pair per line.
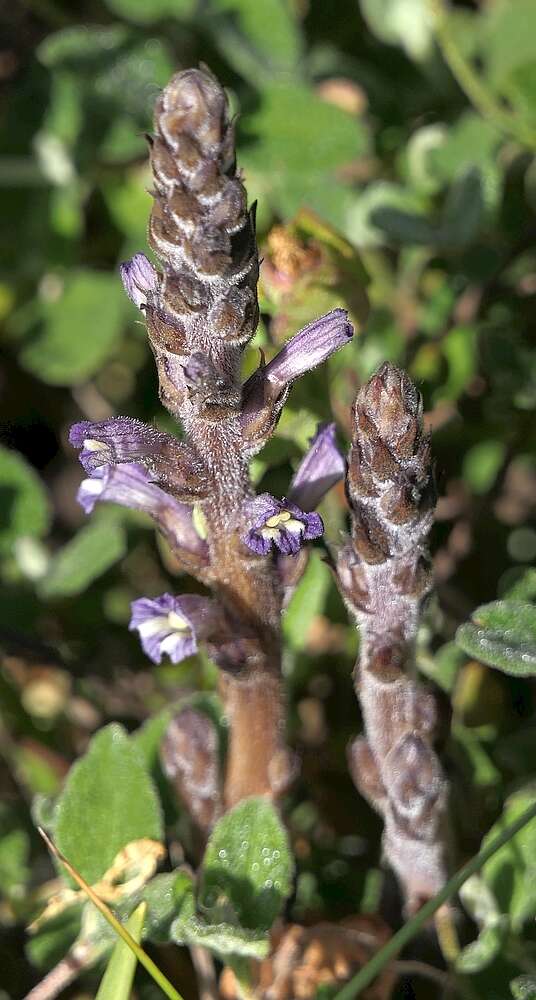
(245,553)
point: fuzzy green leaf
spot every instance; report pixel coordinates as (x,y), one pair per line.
(290,121)
(92,551)
(223,939)
(108,801)
(79,330)
(481,904)
(524,988)
(502,634)
(24,506)
(247,867)
(511,872)
(252,50)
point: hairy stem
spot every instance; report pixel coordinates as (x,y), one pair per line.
(383,576)
(64,973)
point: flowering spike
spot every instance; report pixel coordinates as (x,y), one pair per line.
(140,279)
(383,578)
(279,524)
(170,625)
(319,470)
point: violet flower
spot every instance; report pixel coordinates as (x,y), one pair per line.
(118,440)
(169,625)
(130,486)
(279,524)
(310,347)
(139,279)
(266,390)
(319,470)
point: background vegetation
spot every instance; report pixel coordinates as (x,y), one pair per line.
(386,135)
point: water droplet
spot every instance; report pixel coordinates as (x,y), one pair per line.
(244,845)
(267,862)
(255,866)
(276,855)
(277,884)
(265,851)
(222,854)
(268,884)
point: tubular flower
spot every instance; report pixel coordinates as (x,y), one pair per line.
(116,441)
(279,524)
(139,279)
(169,626)
(319,470)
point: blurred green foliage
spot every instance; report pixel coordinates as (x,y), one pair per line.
(392,137)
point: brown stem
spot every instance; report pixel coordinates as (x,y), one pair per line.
(257,762)
(203,964)
(63,974)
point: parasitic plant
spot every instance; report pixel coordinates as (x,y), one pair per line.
(201,311)
(383,575)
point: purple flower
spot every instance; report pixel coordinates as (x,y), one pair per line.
(266,391)
(118,440)
(170,625)
(125,484)
(319,470)
(310,347)
(279,524)
(130,486)
(139,279)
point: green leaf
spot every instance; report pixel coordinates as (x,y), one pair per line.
(385,210)
(96,547)
(511,872)
(223,939)
(307,602)
(144,12)
(163,895)
(108,801)
(401,22)
(24,505)
(116,984)
(253,51)
(481,465)
(482,906)
(471,142)
(503,635)
(463,211)
(108,79)
(295,144)
(79,330)
(54,939)
(460,351)
(524,988)
(508,34)
(14,853)
(524,588)
(247,867)
(79,46)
